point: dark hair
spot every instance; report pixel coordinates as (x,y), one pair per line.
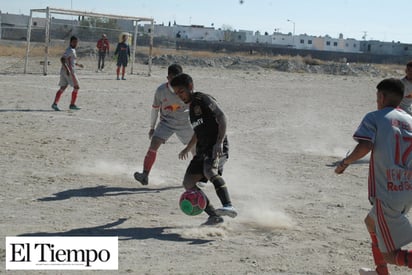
(393,89)
(174,69)
(183,80)
(73,38)
(409,64)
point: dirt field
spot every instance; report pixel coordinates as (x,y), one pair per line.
(70,172)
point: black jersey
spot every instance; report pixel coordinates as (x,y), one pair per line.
(205,126)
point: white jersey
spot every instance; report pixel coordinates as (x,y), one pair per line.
(406,103)
(390,169)
(173,111)
(70,56)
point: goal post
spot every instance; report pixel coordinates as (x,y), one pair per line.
(48,13)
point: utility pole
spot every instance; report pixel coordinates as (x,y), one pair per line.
(293,34)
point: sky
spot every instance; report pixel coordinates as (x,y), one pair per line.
(382,20)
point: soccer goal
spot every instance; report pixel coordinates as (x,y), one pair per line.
(88,26)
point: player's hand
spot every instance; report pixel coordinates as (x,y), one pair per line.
(341,167)
(217,150)
(151,132)
(184,154)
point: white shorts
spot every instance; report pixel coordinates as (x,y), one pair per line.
(393,229)
(66,80)
(164,132)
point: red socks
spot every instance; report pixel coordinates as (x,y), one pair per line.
(404,258)
(58,95)
(381,266)
(74,97)
(149,160)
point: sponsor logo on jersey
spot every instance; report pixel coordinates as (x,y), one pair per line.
(197,123)
(172,108)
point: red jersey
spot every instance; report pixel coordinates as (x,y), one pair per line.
(103,45)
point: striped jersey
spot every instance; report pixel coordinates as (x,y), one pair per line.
(173,111)
(390,166)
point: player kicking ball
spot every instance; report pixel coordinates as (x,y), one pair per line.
(387,134)
(209,125)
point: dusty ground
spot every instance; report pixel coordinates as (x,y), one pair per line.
(70,173)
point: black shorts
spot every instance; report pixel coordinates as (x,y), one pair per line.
(206,167)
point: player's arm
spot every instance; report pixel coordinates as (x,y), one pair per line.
(221,121)
(117,49)
(65,65)
(153,119)
(79,65)
(362,149)
(185,152)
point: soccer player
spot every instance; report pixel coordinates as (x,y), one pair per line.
(174,119)
(123,54)
(103,47)
(387,134)
(68,75)
(209,124)
(406,103)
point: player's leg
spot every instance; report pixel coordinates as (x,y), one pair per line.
(210,170)
(124,70)
(63,83)
(380,263)
(119,64)
(161,134)
(99,62)
(75,83)
(192,176)
(103,57)
(400,232)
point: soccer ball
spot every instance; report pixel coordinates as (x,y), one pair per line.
(192,202)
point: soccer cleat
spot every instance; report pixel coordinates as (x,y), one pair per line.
(213,220)
(227,210)
(367,271)
(123,78)
(143,178)
(118,78)
(55,107)
(74,107)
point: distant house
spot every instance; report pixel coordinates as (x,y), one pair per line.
(192,32)
(390,48)
(14,27)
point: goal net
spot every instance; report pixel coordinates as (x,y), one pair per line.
(48,37)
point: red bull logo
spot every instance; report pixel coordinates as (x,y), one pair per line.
(173,107)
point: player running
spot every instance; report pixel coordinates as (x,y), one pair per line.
(387,134)
(174,119)
(68,75)
(209,124)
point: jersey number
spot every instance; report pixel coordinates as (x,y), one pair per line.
(404,155)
